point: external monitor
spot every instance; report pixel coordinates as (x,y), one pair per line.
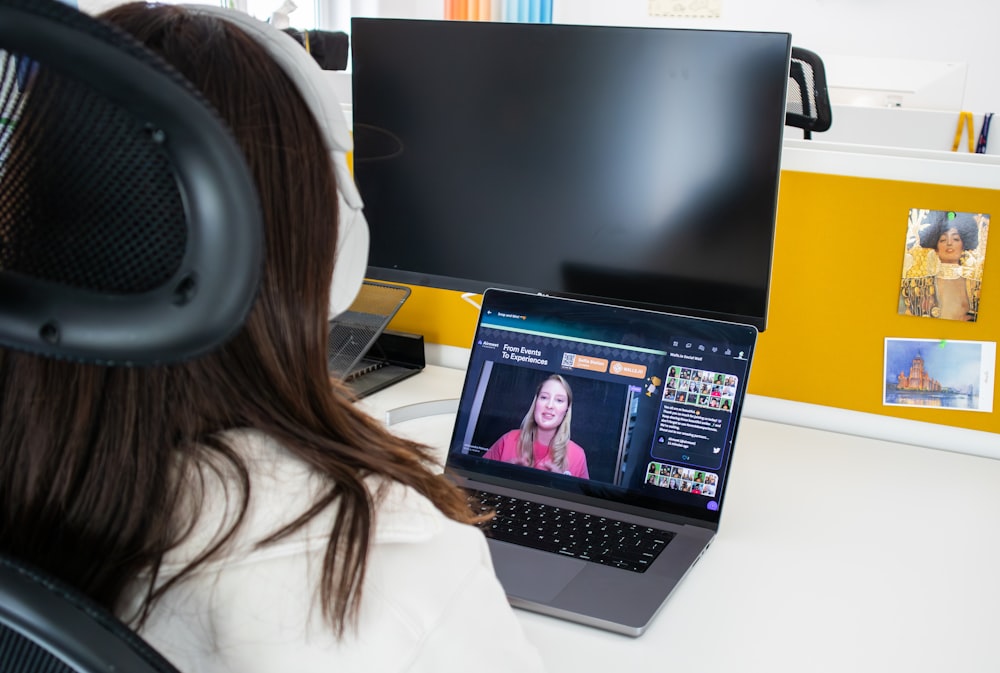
(638,165)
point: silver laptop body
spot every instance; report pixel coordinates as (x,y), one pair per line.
(654,401)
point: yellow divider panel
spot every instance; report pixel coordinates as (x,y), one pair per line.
(838,258)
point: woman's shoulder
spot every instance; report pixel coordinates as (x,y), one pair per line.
(282,488)
(510,437)
(428,579)
(506,442)
(423,606)
(403,514)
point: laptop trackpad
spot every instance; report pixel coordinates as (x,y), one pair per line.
(531,574)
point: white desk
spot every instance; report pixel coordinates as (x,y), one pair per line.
(836,553)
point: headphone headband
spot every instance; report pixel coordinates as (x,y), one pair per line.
(352,235)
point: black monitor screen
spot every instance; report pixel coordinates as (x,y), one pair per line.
(639,165)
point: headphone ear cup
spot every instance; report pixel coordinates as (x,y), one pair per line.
(351,261)
(352,237)
(317,91)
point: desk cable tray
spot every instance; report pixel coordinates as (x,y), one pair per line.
(361,352)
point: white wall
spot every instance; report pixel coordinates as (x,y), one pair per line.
(879,43)
(961,31)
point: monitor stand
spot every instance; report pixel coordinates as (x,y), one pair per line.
(365,355)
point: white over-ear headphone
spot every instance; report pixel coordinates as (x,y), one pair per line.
(352,235)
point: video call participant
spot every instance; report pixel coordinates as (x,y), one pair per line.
(238,509)
(542,441)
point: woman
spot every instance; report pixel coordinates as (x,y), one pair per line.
(946,286)
(238,509)
(543,439)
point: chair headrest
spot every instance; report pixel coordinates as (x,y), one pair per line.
(120,191)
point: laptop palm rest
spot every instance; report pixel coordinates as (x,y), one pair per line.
(530,574)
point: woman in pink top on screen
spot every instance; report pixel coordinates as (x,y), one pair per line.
(543,439)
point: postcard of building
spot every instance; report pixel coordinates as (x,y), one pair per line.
(939,373)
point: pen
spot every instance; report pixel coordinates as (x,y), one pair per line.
(984,132)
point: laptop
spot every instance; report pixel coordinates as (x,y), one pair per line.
(602,435)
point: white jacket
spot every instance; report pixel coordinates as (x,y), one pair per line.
(430,601)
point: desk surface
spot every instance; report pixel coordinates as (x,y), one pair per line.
(835,553)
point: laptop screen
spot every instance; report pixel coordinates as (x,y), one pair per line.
(635,409)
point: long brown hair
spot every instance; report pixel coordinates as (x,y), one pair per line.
(96,462)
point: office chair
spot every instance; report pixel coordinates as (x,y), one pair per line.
(130,230)
(130,234)
(48,627)
(330,48)
(807,105)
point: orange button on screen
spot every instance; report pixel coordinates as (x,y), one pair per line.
(628,369)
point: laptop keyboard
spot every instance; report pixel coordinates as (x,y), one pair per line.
(557,529)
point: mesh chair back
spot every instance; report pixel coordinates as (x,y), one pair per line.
(807,105)
(48,627)
(130,231)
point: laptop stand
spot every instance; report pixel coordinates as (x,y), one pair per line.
(362,352)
